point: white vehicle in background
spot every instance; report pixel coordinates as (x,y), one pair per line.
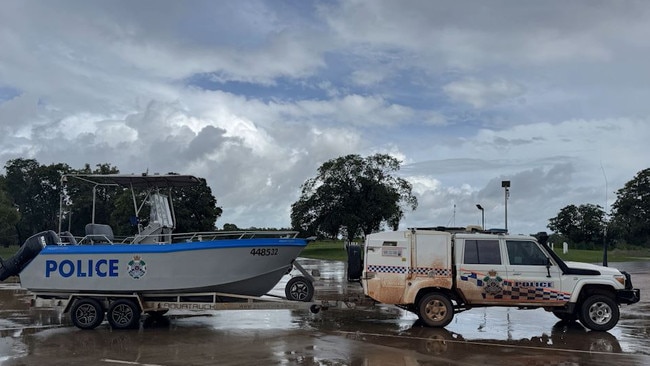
(437,272)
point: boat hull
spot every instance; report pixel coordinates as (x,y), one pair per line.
(244,266)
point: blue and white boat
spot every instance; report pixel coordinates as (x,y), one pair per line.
(156,260)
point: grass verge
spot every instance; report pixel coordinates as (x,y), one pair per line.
(596,256)
(335,250)
(6,252)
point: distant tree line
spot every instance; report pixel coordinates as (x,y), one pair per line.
(587,226)
(350,196)
(33,196)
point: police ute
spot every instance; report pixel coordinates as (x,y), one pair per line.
(437,272)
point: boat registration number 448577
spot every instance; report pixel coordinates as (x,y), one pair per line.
(264,251)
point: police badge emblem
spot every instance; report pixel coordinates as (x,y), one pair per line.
(492,283)
(137,267)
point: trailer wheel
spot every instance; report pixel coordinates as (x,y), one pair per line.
(599,312)
(435,310)
(86,313)
(314,309)
(299,289)
(124,314)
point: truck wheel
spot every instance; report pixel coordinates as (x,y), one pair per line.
(299,289)
(124,314)
(86,313)
(435,310)
(599,312)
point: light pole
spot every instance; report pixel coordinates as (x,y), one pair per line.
(482,215)
(506,186)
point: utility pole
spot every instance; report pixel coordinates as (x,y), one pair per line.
(506,186)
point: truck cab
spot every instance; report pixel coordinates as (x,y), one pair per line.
(437,272)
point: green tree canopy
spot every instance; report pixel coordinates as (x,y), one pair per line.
(35,189)
(78,198)
(352,195)
(584,224)
(196,208)
(32,195)
(9,217)
(631,211)
(230,227)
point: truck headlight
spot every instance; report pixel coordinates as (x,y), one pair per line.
(620,278)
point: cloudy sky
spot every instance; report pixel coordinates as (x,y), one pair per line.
(255,95)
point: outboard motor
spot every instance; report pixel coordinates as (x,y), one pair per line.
(28,251)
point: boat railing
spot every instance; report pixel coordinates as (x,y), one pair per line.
(223,235)
(161,238)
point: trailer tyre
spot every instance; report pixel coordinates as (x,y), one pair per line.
(435,310)
(599,312)
(299,289)
(86,313)
(124,314)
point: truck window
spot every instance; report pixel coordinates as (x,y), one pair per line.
(525,253)
(482,252)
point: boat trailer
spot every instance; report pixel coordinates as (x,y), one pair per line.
(124,310)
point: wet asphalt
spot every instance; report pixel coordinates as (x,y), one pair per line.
(382,335)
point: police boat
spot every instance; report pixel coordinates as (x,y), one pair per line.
(156,260)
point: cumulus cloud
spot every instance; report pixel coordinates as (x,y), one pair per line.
(479,94)
(254,96)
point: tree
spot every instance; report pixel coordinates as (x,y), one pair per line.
(631,211)
(230,227)
(196,208)
(36,191)
(583,225)
(352,195)
(38,194)
(78,196)
(9,217)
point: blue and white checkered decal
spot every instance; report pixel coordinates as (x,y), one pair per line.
(420,271)
(387,269)
(438,272)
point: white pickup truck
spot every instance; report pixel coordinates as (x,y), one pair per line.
(437,272)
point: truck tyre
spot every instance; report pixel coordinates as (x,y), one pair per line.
(435,310)
(599,312)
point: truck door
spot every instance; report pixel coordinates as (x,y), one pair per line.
(532,277)
(482,270)
(387,266)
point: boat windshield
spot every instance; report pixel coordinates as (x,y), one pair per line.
(160,210)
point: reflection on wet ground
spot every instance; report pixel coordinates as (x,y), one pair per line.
(379,336)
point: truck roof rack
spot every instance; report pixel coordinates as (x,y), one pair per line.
(462,229)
